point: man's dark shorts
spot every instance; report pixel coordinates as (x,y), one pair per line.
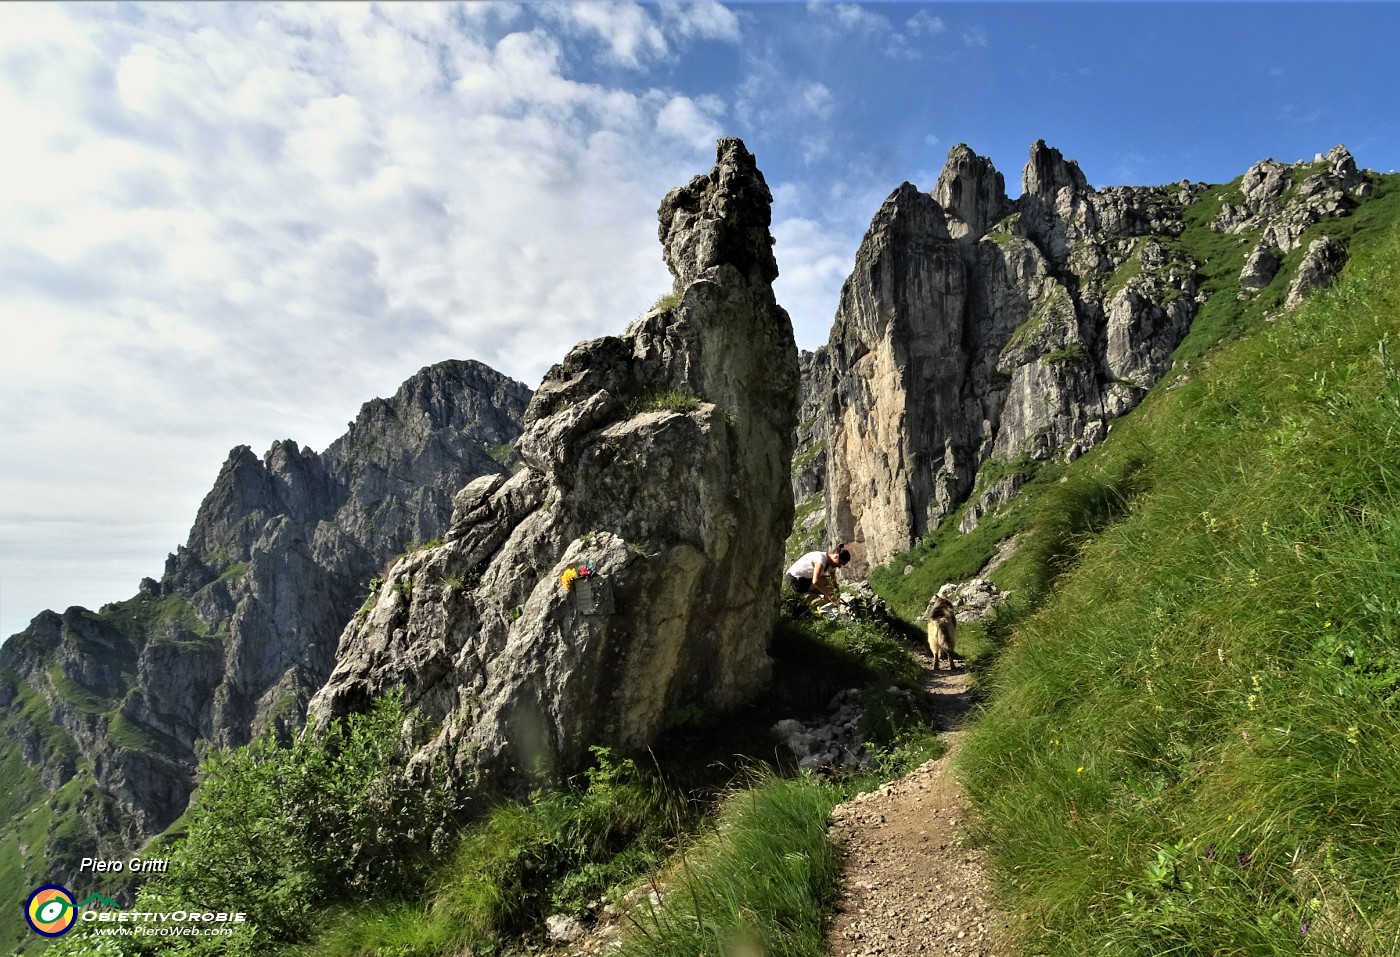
(799,585)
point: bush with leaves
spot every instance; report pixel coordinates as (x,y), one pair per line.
(279,831)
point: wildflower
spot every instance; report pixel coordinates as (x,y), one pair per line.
(1255,679)
(1353,734)
(1327,623)
(1220,653)
(1079,770)
(1253,702)
(1305,927)
(1210,853)
(1265,526)
(1244,860)
(1254,578)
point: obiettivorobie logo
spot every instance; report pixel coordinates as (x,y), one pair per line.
(50,911)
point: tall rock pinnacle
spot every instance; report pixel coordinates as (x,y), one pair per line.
(659,461)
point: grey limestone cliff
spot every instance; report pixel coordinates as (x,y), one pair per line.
(974,326)
(660,460)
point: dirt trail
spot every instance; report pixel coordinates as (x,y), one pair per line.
(910,882)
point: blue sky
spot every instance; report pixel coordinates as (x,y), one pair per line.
(231,224)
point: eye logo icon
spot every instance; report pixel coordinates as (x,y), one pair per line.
(50,911)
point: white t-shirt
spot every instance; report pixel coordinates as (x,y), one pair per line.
(809,565)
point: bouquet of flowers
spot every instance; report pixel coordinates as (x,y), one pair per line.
(574,573)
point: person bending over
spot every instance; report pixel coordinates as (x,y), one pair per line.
(815,573)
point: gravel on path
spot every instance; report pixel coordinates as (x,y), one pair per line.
(911,883)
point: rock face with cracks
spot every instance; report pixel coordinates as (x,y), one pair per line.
(974,327)
(660,460)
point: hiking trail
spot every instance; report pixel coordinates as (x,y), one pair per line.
(911,882)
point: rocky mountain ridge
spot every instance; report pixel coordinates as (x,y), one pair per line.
(111,707)
(976,328)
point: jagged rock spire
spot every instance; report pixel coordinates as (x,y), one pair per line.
(660,461)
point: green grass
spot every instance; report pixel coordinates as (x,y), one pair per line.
(761,882)
(125,733)
(1189,745)
(665,400)
(136,617)
(809,455)
(801,541)
(83,699)
(21,849)
(502,453)
(234,572)
(1073,354)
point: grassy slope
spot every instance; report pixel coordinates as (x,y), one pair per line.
(1189,747)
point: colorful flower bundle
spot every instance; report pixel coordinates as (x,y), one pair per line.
(572,575)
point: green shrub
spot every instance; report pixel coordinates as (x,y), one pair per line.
(559,852)
(278,832)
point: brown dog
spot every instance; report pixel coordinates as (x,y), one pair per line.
(942,629)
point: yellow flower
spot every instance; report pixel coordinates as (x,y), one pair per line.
(567,579)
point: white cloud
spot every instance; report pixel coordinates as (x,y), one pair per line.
(856,18)
(899,48)
(816,100)
(926,24)
(630,37)
(705,19)
(813,149)
(228,224)
(691,121)
(839,23)
(814,259)
(770,97)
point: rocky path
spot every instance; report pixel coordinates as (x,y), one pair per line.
(911,883)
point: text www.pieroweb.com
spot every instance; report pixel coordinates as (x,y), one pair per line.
(173,924)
